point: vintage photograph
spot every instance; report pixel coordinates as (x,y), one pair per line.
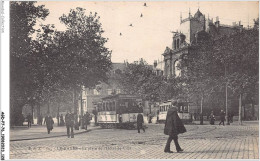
(134,80)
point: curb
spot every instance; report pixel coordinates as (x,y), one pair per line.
(52,136)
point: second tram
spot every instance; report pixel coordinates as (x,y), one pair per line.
(183,111)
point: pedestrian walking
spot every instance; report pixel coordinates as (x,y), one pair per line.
(222,117)
(173,127)
(140,121)
(86,119)
(61,120)
(212,118)
(150,118)
(49,123)
(69,120)
(40,119)
(231,117)
(29,120)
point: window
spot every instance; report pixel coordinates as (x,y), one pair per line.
(114,106)
(96,92)
(178,43)
(104,106)
(118,91)
(177,69)
(175,44)
(109,91)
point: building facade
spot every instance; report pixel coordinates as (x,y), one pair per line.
(188,34)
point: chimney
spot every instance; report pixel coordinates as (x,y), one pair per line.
(217,19)
(217,22)
(155,64)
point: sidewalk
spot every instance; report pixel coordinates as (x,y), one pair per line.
(234,123)
(40,132)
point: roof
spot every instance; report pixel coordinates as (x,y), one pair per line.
(120,66)
(198,14)
(122,96)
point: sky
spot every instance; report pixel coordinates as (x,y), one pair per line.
(150,34)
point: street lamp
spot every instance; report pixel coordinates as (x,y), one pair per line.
(81,109)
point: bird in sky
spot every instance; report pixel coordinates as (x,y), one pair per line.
(120,34)
(131,25)
(141,15)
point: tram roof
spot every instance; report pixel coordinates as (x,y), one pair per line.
(122,96)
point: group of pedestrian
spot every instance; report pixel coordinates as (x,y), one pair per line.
(222,118)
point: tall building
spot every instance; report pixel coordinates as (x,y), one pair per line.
(191,30)
(91,96)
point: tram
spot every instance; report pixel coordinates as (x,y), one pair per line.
(119,111)
(183,111)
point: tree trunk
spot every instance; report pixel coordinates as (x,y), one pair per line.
(58,114)
(81,111)
(240,110)
(16,114)
(38,113)
(75,101)
(32,108)
(48,104)
(227,105)
(201,111)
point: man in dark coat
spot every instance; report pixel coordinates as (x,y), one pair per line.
(69,120)
(61,120)
(222,117)
(140,121)
(40,119)
(86,119)
(173,127)
(29,119)
(212,118)
(49,123)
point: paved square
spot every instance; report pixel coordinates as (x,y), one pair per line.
(199,142)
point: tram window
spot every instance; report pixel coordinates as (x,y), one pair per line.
(113,106)
(103,106)
(110,106)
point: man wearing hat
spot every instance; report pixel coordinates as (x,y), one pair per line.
(173,127)
(49,122)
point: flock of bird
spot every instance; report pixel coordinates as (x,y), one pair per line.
(131,25)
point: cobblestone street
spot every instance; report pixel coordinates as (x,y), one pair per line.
(199,142)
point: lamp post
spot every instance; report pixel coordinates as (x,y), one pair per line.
(201,111)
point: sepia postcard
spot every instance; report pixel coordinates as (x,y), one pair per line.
(129,80)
